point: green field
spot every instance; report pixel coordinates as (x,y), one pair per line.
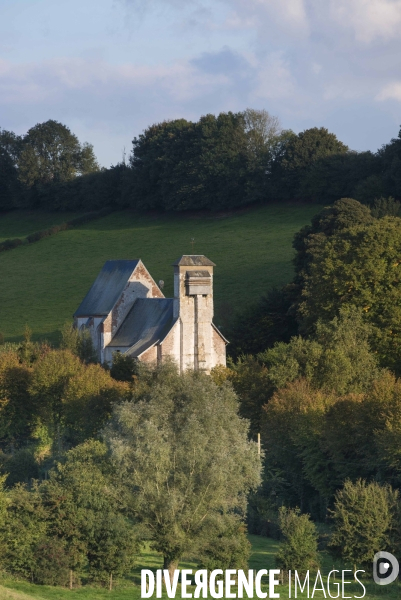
(22,223)
(42,284)
(262,557)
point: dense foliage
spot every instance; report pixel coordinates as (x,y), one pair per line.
(176,467)
(299,548)
(218,162)
(363,518)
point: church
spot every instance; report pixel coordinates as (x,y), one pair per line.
(126,311)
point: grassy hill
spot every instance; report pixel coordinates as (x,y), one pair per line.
(22,223)
(43,283)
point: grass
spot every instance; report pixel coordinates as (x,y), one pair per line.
(19,224)
(262,557)
(43,283)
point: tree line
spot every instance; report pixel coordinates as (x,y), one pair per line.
(219,162)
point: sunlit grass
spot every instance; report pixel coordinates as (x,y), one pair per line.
(262,557)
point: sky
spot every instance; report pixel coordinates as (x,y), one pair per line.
(108,69)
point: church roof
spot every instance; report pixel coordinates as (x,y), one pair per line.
(148,322)
(193,260)
(107,288)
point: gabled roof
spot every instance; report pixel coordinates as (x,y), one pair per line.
(107,288)
(193,260)
(148,322)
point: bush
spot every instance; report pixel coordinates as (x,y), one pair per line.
(10,244)
(229,550)
(124,368)
(299,549)
(363,518)
(79,343)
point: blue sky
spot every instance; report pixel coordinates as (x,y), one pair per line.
(110,68)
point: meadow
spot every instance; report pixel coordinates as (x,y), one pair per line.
(43,283)
(262,557)
(22,223)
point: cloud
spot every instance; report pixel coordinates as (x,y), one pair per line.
(392,91)
(370,20)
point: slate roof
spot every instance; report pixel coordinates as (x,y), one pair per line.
(193,260)
(148,322)
(107,288)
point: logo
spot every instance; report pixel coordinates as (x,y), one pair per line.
(385,568)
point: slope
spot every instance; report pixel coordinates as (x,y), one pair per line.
(43,283)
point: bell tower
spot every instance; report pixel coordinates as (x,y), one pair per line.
(193,307)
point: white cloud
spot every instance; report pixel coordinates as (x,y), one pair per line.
(392,91)
(274,79)
(369,19)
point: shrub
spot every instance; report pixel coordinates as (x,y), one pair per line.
(363,519)
(124,368)
(299,548)
(230,549)
(10,244)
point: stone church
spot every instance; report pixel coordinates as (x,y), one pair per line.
(126,311)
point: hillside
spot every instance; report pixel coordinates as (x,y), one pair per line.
(43,283)
(22,223)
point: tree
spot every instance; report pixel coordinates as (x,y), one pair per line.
(363,519)
(385,405)
(261,128)
(216,163)
(250,379)
(73,400)
(23,530)
(261,325)
(11,144)
(291,434)
(297,158)
(390,162)
(51,153)
(359,267)
(85,513)
(79,343)
(17,409)
(337,358)
(385,207)
(184,455)
(263,132)
(9,185)
(343,214)
(338,176)
(298,551)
